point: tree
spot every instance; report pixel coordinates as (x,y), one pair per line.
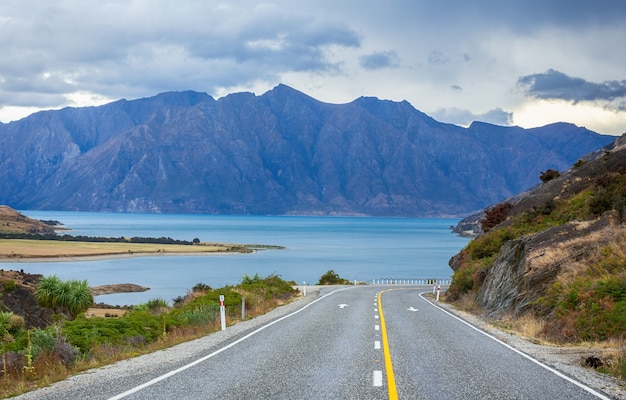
(71,296)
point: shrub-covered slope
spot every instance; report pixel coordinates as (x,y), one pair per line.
(557,253)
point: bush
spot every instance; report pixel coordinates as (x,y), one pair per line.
(85,333)
(489,244)
(549,174)
(495,215)
(42,341)
(332,278)
(10,324)
(201,288)
(199,315)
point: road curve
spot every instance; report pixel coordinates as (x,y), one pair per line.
(331,347)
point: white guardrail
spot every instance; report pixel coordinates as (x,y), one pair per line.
(411,281)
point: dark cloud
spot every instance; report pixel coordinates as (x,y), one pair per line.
(559,86)
(458,116)
(379,60)
(120,51)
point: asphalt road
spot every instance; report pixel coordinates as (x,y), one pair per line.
(333,348)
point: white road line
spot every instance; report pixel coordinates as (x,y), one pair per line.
(200,360)
(554,371)
(377,345)
(377,327)
(378,378)
(376,316)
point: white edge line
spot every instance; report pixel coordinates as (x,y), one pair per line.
(554,371)
(202,359)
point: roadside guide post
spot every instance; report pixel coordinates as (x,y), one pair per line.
(438,290)
(304,288)
(222,312)
(243,308)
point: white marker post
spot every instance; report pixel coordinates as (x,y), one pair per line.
(304,288)
(438,290)
(222,312)
(243,308)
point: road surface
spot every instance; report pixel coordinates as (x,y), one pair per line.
(362,342)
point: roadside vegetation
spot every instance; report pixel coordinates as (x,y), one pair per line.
(332,278)
(34,358)
(586,303)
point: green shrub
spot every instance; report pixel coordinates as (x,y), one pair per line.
(332,278)
(42,341)
(270,287)
(10,323)
(85,333)
(198,315)
(489,244)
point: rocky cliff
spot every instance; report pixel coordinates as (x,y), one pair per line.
(279,153)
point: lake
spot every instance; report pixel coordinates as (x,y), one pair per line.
(357,248)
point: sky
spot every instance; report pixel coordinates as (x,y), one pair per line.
(527,63)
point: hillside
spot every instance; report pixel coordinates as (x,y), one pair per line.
(279,153)
(12,221)
(557,255)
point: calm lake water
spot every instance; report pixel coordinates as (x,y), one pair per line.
(356,248)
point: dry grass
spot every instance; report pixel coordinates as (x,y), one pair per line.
(526,326)
(467,302)
(572,264)
(23,248)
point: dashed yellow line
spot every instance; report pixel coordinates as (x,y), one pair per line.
(391,380)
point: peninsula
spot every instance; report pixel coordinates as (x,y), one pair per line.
(26,239)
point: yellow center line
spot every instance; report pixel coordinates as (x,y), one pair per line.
(391,380)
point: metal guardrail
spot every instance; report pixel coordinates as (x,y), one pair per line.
(411,281)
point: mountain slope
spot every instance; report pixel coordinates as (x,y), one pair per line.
(280,153)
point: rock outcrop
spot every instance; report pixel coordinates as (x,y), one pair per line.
(526,267)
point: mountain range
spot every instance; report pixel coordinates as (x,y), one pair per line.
(279,153)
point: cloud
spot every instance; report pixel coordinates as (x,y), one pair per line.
(378,60)
(119,49)
(458,116)
(426,52)
(437,57)
(555,85)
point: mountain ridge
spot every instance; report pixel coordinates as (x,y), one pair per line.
(282,152)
